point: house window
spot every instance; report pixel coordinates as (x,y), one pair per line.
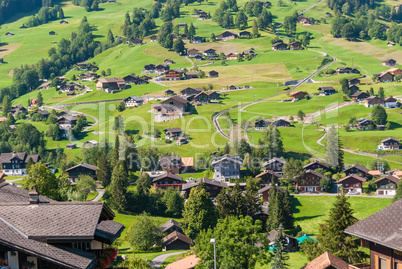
(383,264)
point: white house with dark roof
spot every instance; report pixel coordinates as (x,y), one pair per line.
(133,101)
(14,163)
(390,143)
(226,167)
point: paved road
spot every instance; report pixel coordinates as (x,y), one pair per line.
(157,262)
(13,180)
(101,192)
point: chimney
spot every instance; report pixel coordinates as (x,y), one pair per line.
(33,196)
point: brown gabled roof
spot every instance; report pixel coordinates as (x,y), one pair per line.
(325,261)
(353,176)
(268,172)
(274,159)
(274,233)
(383,227)
(170,223)
(88,166)
(174,236)
(173,130)
(314,162)
(177,99)
(108,230)
(311,172)
(390,178)
(10,193)
(390,138)
(267,188)
(358,166)
(168,175)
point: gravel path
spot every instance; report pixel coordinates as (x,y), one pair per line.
(157,262)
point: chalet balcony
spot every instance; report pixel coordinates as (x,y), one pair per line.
(364,265)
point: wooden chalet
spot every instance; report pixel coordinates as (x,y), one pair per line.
(212,95)
(364,124)
(81,169)
(176,241)
(245,34)
(292,244)
(193,52)
(385,76)
(213,187)
(309,181)
(275,164)
(298,95)
(231,56)
(387,185)
(190,91)
(232,87)
(295,45)
(347,70)
(170,164)
(359,96)
(358,170)
(227,35)
(133,101)
(381,234)
(171,226)
(317,165)
(168,180)
(153,38)
(390,143)
(281,123)
(173,133)
(268,177)
(201,97)
(63,22)
(14,163)
(388,62)
(197,40)
(190,75)
(352,183)
(174,74)
(279,46)
(390,102)
(210,52)
(353,88)
(261,124)
(354,81)
(327,90)
(373,101)
(110,84)
(265,192)
(395,71)
(135,41)
(71,146)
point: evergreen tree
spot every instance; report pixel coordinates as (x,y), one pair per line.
(345,85)
(40,99)
(199,212)
(178,46)
(6,105)
(280,255)
(116,151)
(29,163)
(174,202)
(103,173)
(332,147)
(398,194)
(110,38)
(118,188)
(191,32)
(61,14)
(144,183)
(340,164)
(381,93)
(254,31)
(332,237)
(213,38)
(168,42)
(241,20)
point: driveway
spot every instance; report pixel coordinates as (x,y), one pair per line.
(157,262)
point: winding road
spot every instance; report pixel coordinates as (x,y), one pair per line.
(157,262)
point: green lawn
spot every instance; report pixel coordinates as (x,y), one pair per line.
(92,195)
(310,211)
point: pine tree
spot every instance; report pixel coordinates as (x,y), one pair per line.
(280,255)
(332,237)
(254,31)
(191,32)
(110,38)
(398,194)
(103,173)
(61,14)
(116,151)
(340,164)
(40,99)
(7,105)
(118,188)
(332,147)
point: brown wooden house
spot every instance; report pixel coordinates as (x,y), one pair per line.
(264,192)
(176,241)
(268,177)
(373,101)
(381,234)
(328,261)
(81,169)
(190,91)
(281,123)
(359,96)
(168,180)
(298,95)
(275,164)
(309,181)
(295,45)
(214,187)
(357,169)
(316,165)
(387,185)
(279,46)
(174,74)
(213,74)
(352,182)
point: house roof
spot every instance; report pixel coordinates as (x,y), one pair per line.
(88,166)
(278,44)
(270,172)
(168,175)
(6,157)
(374,173)
(359,167)
(187,161)
(311,172)
(173,130)
(297,92)
(388,60)
(390,99)
(10,193)
(388,177)
(227,157)
(187,263)
(108,230)
(274,159)
(358,93)
(66,258)
(174,236)
(110,80)
(267,188)
(273,234)
(383,227)
(316,162)
(177,99)
(326,88)
(170,223)
(362,179)
(135,98)
(326,260)
(390,138)
(206,181)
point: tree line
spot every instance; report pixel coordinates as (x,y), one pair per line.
(45,15)
(139,24)
(9,8)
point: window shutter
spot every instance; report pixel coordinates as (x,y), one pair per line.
(388,264)
(376,262)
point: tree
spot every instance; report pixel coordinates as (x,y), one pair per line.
(398,194)
(118,124)
(332,149)
(254,30)
(240,243)
(241,20)
(264,19)
(29,163)
(103,173)
(291,169)
(95,5)
(6,105)
(118,188)
(381,93)
(379,115)
(345,85)
(174,202)
(326,184)
(332,238)
(191,32)
(40,99)
(280,210)
(301,115)
(110,38)
(46,184)
(61,14)
(143,234)
(213,38)
(178,46)
(199,212)
(85,185)
(280,255)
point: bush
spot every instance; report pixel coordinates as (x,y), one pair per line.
(331,71)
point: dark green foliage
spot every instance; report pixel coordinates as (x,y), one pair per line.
(345,85)
(6,105)
(40,177)
(45,15)
(143,234)
(326,184)
(240,243)
(117,189)
(199,212)
(290,24)
(333,149)
(292,168)
(398,194)
(174,202)
(241,20)
(103,173)
(279,254)
(53,132)
(178,46)
(280,210)
(40,99)
(379,115)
